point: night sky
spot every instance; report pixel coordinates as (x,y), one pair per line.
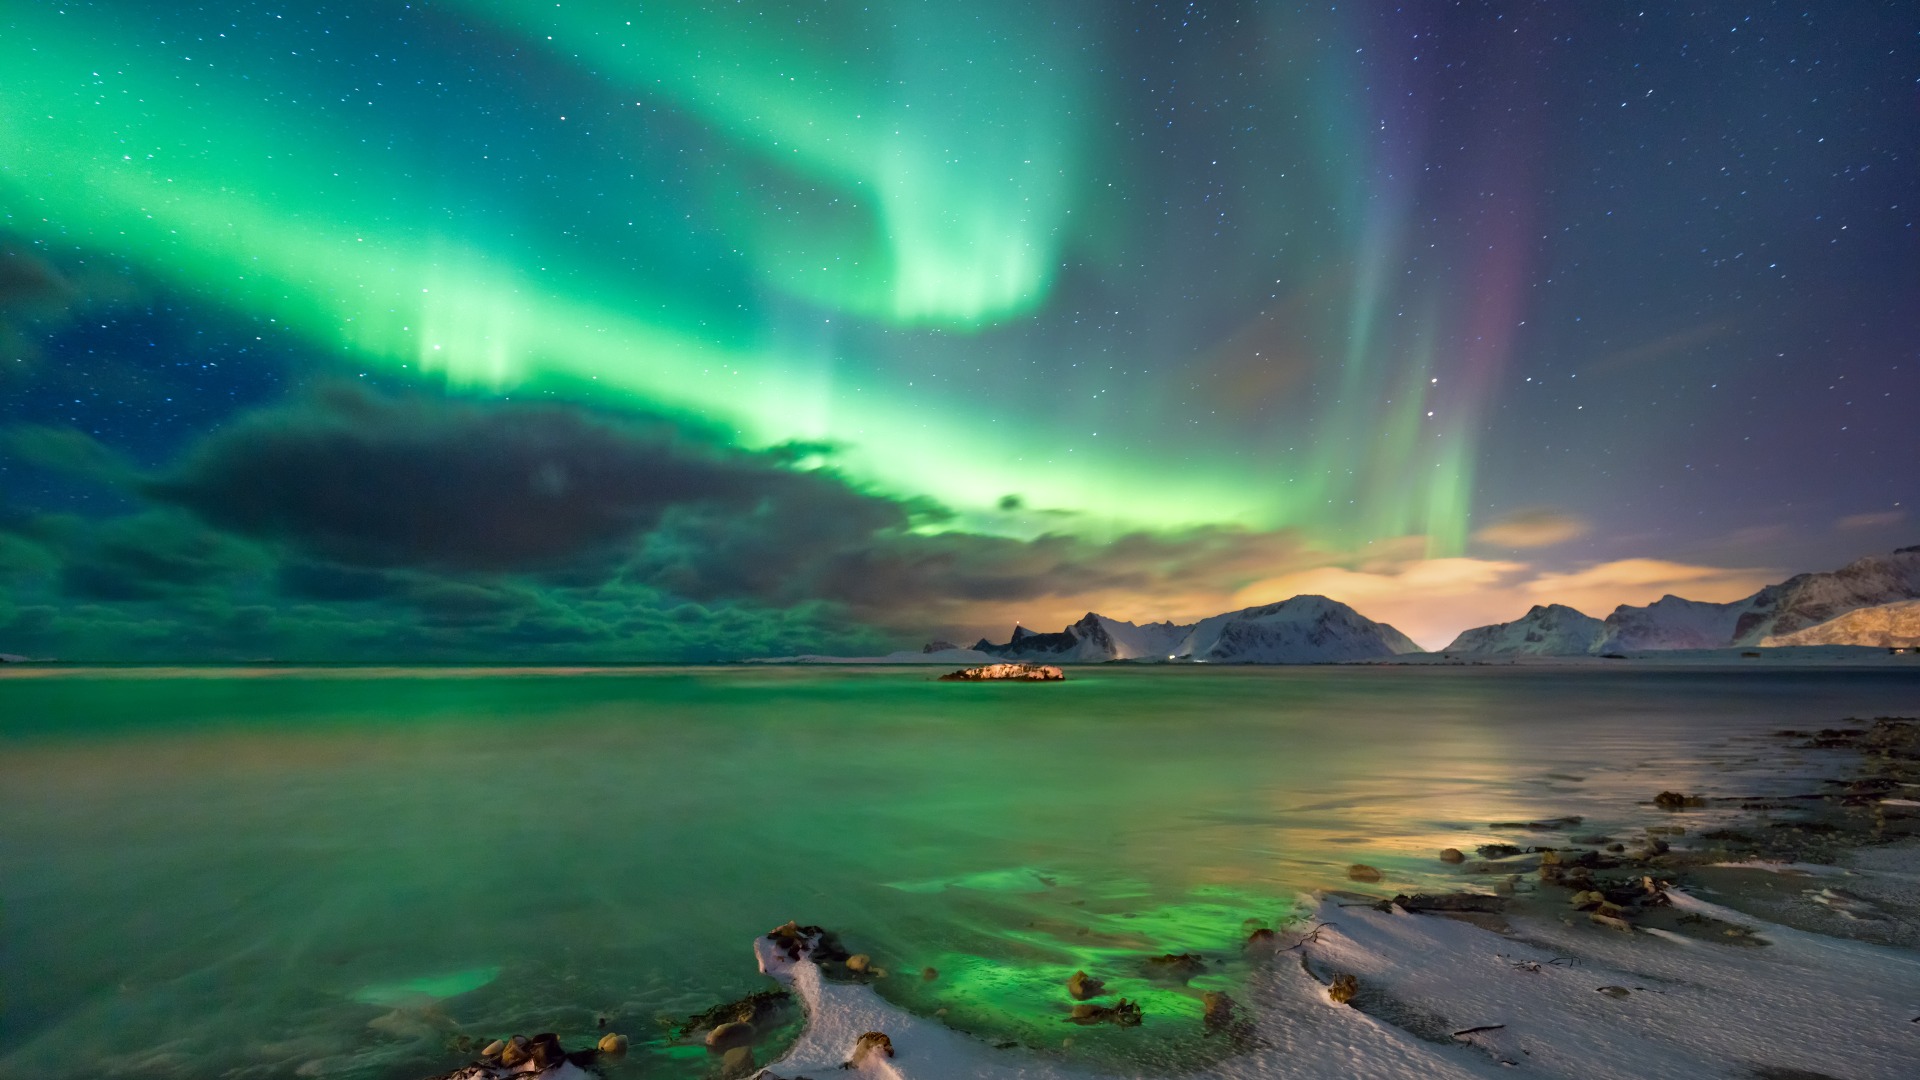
(493,329)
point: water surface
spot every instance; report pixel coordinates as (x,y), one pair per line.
(338,872)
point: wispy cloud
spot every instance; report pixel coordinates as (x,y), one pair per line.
(1534,527)
(1599,589)
(1876,520)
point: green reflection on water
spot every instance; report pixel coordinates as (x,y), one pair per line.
(208,872)
(428,987)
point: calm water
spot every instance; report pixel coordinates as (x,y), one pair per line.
(333,873)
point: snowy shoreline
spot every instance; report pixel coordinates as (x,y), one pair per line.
(1541,985)
(1771,936)
(1441,997)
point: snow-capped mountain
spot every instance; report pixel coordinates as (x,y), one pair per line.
(1895,625)
(1809,599)
(1302,630)
(1546,630)
(1768,617)
(1799,602)
(1670,623)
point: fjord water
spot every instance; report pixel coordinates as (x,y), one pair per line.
(260,873)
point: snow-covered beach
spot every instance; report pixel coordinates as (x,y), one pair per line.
(1769,936)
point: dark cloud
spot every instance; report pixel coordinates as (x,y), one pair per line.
(467,603)
(305,579)
(377,481)
(911,580)
(352,523)
(66,450)
(117,600)
(363,486)
(38,296)
(149,557)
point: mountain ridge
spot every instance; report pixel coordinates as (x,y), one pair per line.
(1299,630)
(1768,617)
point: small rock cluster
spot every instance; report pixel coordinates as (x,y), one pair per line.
(1122,1012)
(1082,986)
(538,1056)
(1619,882)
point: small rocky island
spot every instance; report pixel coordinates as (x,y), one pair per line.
(1007,672)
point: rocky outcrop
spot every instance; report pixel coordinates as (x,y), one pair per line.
(538,1058)
(1007,673)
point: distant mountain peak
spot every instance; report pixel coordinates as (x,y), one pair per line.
(1545,630)
(1299,629)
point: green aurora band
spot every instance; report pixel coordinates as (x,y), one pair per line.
(867,185)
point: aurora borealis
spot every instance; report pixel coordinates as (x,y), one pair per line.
(675,330)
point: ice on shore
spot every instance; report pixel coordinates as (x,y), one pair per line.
(1558,998)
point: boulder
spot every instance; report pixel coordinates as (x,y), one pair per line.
(1217,1011)
(1175,967)
(545,1051)
(737,1063)
(1081,986)
(871,1046)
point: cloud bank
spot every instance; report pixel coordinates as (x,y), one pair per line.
(353,524)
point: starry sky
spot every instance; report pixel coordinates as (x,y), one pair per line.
(597,330)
